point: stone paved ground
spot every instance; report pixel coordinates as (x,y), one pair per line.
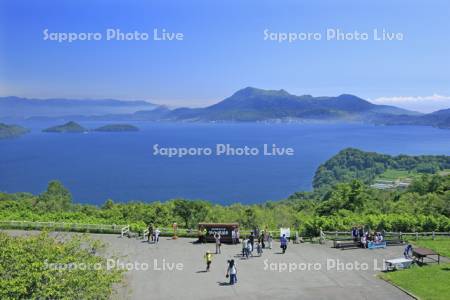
(258,277)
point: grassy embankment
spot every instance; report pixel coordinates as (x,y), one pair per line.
(429,282)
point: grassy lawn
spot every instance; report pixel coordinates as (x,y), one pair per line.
(430,282)
(439,245)
(445,172)
(391,174)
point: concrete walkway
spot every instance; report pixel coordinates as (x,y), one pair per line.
(316,271)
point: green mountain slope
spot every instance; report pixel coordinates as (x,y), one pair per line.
(350,164)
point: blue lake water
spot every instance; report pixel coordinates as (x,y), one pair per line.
(121,166)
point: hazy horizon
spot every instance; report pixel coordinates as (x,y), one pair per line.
(225,47)
(423,104)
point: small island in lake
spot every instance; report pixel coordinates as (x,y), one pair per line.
(69,127)
(117,128)
(11,131)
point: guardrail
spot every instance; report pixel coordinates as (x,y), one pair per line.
(124,230)
(433,234)
(61,226)
(181,232)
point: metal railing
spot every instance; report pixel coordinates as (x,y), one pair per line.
(62,226)
(432,234)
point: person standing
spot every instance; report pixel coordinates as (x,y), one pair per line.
(204,233)
(208,258)
(157,233)
(232,272)
(355,234)
(283,243)
(244,248)
(150,232)
(200,235)
(259,248)
(249,248)
(233,236)
(269,240)
(252,239)
(261,240)
(218,244)
(266,236)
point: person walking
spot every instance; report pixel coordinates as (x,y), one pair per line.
(218,244)
(208,258)
(232,272)
(283,243)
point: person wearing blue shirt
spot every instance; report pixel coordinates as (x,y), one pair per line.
(283,242)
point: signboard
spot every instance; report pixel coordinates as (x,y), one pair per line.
(285,231)
(224,229)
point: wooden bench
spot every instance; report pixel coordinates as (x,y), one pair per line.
(347,243)
(394,242)
(420,253)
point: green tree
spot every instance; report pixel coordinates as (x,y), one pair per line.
(55,198)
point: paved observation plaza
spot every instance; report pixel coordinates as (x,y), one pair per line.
(175,269)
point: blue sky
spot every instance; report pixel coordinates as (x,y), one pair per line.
(224,50)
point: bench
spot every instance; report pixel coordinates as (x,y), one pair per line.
(420,253)
(346,244)
(394,242)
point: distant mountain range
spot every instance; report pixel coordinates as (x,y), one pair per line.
(251,104)
(23,108)
(246,105)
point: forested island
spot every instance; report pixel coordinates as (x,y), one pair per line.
(117,128)
(11,131)
(69,127)
(73,127)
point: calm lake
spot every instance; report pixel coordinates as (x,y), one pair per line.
(121,166)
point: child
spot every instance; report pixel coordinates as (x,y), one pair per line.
(231,272)
(259,248)
(208,258)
